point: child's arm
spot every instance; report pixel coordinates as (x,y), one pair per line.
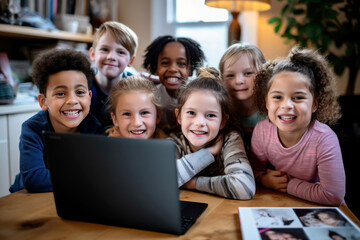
(330,189)
(191,164)
(238,179)
(35,175)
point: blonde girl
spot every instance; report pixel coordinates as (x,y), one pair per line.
(293,150)
(238,66)
(203,115)
(135,108)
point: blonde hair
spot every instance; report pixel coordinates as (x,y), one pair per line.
(134,83)
(121,33)
(235,51)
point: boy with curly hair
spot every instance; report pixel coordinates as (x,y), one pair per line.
(63,78)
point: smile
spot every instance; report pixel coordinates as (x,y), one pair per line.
(198,132)
(287,118)
(138,132)
(71,113)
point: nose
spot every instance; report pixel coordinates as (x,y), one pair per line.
(199,121)
(111,55)
(287,103)
(72,99)
(173,67)
(136,120)
(239,79)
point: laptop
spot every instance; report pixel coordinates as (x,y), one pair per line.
(118,181)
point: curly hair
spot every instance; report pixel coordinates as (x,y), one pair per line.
(316,69)
(194,54)
(57,60)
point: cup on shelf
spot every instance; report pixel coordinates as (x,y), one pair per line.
(71,26)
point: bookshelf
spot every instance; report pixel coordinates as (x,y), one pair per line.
(22,32)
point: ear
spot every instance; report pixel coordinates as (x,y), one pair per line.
(315,105)
(90,94)
(223,121)
(92,54)
(131,61)
(113,117)
(42,102)
(177,115)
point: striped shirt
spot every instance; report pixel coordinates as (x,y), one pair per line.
(229,176)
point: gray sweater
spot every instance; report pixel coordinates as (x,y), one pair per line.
(235,180)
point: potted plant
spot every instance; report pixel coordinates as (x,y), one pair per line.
(332,26)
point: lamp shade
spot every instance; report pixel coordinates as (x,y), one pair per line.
(240,5)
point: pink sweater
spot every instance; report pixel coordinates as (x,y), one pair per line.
(315,162)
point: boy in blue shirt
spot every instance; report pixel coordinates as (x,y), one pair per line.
(63,78)
(113,49)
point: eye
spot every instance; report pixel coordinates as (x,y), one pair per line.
(60,94)
(299,98)
(80,92)
(164,63)
(276,97)
(126,114)
(104,49)
(182,64)
(249,74)
(145,113)
(230,75)
(122,52)
(211,115)
(191,113)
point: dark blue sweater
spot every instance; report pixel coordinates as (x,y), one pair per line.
(34,175)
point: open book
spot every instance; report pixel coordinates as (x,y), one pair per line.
(296,223)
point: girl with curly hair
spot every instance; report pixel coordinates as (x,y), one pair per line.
(293,150)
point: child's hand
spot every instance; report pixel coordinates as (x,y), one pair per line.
(191,184)
(277,180)
(216,147)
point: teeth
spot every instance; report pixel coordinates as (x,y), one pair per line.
(71,113)
(172,80)
(287,118)
(138,132)
(198,132)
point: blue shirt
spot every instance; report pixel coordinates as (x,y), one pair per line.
(34,175)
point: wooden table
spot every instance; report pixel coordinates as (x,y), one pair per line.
(33,216)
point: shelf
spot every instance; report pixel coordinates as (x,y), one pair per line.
(13,31)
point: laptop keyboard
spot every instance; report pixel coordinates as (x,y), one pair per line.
(186,222)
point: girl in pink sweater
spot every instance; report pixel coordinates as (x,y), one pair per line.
(293,150)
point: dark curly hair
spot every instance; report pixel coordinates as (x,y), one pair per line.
(57,60)
(194,54)
(315,67)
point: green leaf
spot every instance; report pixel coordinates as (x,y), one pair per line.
(276,20)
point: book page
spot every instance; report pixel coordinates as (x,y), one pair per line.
(267,223)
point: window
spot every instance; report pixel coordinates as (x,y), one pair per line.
(208,26)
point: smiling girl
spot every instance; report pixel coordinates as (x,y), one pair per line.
(203,115)
(298,95)
(173,60)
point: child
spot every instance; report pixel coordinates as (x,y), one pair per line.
(203,115)
(173,60)
(114,47)
(135,111)
(63,78)
(293,150)
(239,66)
